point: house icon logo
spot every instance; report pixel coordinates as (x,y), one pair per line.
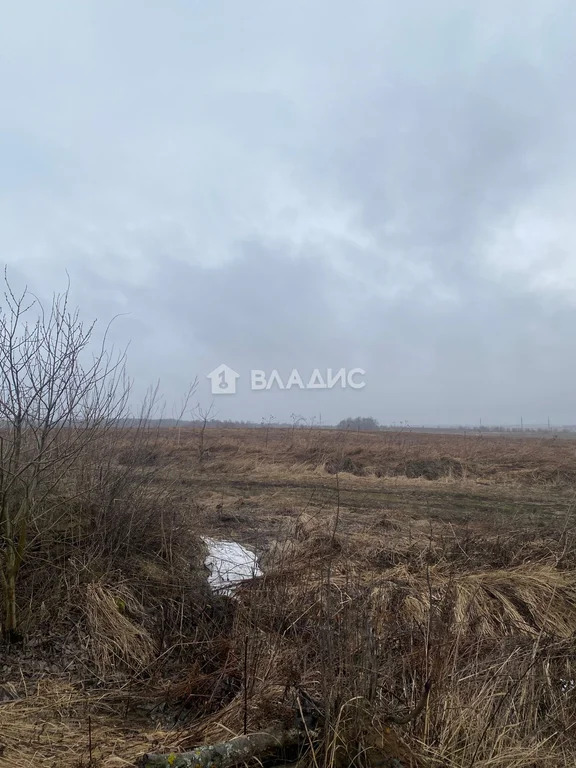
(223,380)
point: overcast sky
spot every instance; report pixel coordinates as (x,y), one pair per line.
(306,184)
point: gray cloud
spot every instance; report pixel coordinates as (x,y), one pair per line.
(310,185)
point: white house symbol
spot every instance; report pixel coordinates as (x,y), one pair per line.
(223,380)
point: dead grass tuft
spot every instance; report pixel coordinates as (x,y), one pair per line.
(528,600)
(117,638)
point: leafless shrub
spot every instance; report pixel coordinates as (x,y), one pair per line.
(81,508)
(59,393)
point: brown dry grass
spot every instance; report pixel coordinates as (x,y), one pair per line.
(116,639)
(501,459)
(497,645)
(390,559)
(56,724)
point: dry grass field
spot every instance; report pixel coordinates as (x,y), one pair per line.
(257,480)
(419,588)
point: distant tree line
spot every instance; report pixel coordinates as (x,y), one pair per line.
(356,423)
(359,424)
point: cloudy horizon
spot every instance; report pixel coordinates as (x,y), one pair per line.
(277,185)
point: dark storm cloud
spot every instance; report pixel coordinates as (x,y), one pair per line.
(512,355)
(294,184)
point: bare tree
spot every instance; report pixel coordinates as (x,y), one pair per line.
(60,392)
(267,423)
(297,421)
(204,415)
(184,407)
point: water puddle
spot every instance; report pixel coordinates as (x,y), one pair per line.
(229,563)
